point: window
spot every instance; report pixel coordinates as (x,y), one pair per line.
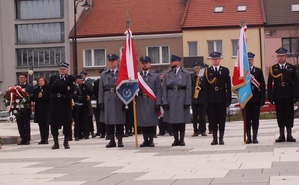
(235,47)
(241,8)
(40,56)
(158,54)
(94,58)
(39,9)
(218,9)
(192,49)
(214,45)
(295,7)
(40,33)
(291,44)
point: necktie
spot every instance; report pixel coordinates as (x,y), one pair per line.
(61,77)
(282,66)
(144,74)
(216,69)
(112,72)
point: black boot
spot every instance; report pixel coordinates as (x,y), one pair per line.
(112,141)
(221,142)
(120,140)
(289,135)
(248,133)
(56,144)
(281,137)
(215,141)
(66,142)
(151,140)
(255,137)
(176,139)
(182,140)
(145,140)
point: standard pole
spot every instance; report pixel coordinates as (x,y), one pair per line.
(135,123)
(75,62)
(244,124)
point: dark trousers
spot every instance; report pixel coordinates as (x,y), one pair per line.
(23,122)
(90,121)
(118,129)
(65,131)
(148,130)
(285,113)
(199,110)
(84,124)
(217,116)
(163,127)
(44,130)
(179,127)
(75,114)
(129,119)
(252,115)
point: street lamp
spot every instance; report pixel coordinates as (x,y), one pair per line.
(86,6)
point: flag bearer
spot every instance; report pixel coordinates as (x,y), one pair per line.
(147,106)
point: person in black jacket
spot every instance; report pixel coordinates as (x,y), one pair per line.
(283,90)
(217,82)
(23,120)
(198,101)
(252,107)
(41,97)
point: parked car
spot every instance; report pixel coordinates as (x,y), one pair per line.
(234,107)
(7,116)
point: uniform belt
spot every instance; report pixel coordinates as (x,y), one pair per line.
(112,89)
(143,95)
(58,95)
(176,88)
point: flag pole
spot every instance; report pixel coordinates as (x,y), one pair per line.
(242,24)
(135,123)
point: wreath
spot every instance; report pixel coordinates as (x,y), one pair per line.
(16,99)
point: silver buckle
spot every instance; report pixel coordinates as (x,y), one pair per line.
(216,88)
(112,90)
(58,95)
(175,88)
(144,95)
(283,84)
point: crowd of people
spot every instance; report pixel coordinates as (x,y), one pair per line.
(65,102)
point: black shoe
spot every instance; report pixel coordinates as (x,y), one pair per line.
(93,135)
(76,139)
(43,142)
(161,134)
(221,142)
(290,138)
(102,136)
(86,137)
(120,144)
(214,142)
(144,144)
(126,134)
(55,146)
(130,133)
(248,140)
(98,134)
(111,144)
(21,142)
(175,143)
(182,143)
(280,139)
(66,144)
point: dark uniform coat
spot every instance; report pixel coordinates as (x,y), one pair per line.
(177,93)
(41,104)
(201,99)
(285,86)
(258,93)
(60,110)
(113,113)
(220,90)
(146,114)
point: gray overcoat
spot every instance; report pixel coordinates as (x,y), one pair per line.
(146,114)
(177,93)
(113,113)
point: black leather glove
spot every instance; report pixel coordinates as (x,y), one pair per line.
(166,106)
(227,104)
(157,108)
(186,106)
(262,103)
(295,100)
(271,101)
(101,107)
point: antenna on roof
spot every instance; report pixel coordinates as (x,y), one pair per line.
(128,20)
(242,23)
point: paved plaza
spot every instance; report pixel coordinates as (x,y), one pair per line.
(88,162)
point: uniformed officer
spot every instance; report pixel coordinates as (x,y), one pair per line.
(252,107)
(89,84)
(217,82)
(60,108)
(283,91)
(198,101)
(147,108)
(177,98)
(112,108)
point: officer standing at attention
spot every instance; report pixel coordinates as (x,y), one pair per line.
(252,107)
(198,101)
(147,109)
(112,108)
(177,99)
(60,108)
(283,91)
(218,84)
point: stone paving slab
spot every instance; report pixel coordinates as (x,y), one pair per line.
(88,162)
